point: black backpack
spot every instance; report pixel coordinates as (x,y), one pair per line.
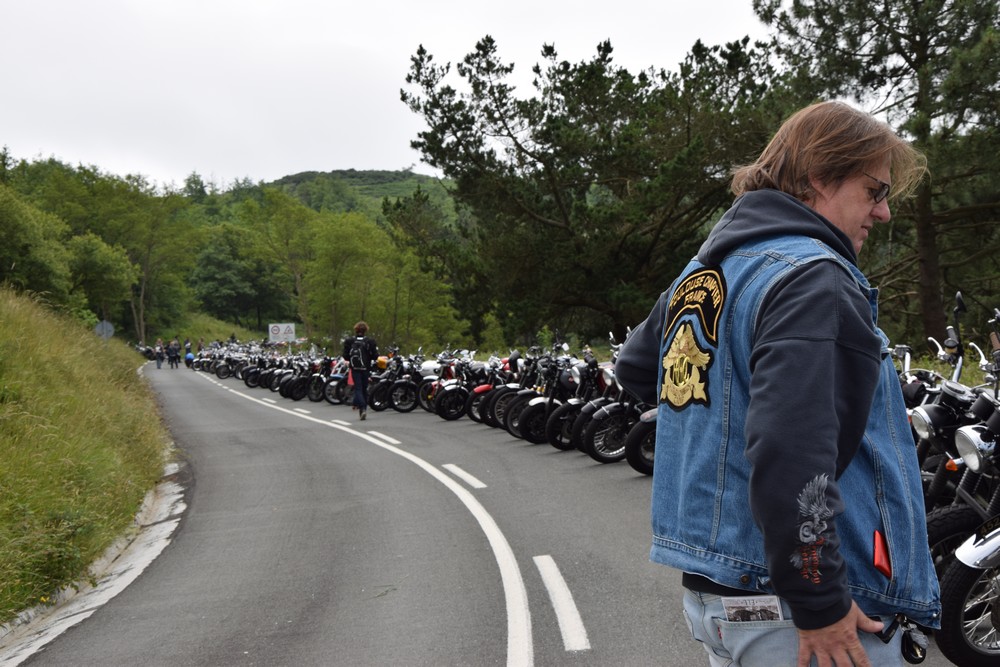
(359,354)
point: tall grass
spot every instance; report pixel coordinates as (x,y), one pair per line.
(81,443)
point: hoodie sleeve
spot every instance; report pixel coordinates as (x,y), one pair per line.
(814,368)
(638,363)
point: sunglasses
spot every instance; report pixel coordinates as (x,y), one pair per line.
(880,193)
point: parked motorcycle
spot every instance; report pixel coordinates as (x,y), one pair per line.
(499,372)
(591,383)
(970,623)
(560,384)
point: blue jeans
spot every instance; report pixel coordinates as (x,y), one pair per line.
(764,643)
(360,389)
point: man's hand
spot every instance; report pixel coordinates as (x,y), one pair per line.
(838,643)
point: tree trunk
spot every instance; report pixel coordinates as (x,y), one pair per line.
(929,280)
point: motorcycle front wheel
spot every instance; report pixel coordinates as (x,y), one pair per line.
(604,439)
(378,397)
(317,384)
(450,405)
(640,444)
(426,393)
(473,403)
(969,634)
(333,392)
(403,396)
(559,426)
(947,528)
(512,415)
(531,423)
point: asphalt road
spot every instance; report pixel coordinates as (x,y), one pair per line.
(313,538)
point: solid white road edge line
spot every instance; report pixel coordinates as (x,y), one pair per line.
(461,474)
(520,649)
(570,624)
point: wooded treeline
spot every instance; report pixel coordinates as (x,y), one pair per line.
(570,205)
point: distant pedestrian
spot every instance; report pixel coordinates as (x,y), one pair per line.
(174,353)
(160,351)
(360,351)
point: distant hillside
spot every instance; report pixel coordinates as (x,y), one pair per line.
(353,190)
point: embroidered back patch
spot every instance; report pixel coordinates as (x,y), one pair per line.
(685,364)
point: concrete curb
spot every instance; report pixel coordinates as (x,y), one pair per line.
(151,531)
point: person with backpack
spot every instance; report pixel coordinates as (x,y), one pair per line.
(360,351)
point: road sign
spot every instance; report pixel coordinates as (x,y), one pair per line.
(281,333)
(105,329)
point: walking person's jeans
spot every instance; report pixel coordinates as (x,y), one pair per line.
(360,389)
(764,643)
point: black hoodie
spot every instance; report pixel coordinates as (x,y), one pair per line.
(814,367)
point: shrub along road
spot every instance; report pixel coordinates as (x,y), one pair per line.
(312,538)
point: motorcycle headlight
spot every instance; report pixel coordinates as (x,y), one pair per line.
(973,447)
(574,372)
(922,424)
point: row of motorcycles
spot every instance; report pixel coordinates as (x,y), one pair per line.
(956,427)
(572,401)
(542,396)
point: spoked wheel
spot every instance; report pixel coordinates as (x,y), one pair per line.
(498,411)
(970,616)
(403,396)
(604,439)
(486,407)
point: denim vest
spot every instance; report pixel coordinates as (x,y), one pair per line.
(700,515)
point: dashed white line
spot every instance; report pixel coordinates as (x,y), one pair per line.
(464,476)
(574,634)
(391,441)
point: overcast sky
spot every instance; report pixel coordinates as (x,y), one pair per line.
(261,89)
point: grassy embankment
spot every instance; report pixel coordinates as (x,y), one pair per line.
(81,443)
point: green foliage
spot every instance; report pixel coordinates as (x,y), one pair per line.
(933,70)
(595,181)
(32,255)
(80,442)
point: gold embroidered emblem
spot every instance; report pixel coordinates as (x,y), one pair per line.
(685,367)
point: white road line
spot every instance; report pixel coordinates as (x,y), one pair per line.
(461,474)
(264,400)
(520,647)
(570,624)
(391,441)
(303,411)
(340,422)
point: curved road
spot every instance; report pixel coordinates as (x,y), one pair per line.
(312,538)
